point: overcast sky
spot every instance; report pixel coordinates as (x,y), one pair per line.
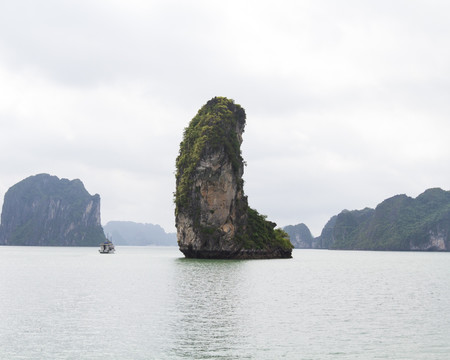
(347,102)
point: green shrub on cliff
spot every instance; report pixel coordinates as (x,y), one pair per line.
(261,233)
(398,223)
(207,132)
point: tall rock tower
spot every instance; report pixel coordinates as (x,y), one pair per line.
(43,210)
(213,218)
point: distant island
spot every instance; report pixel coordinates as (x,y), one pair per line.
(399,223)
(43,210)
(138,234)
(300,236)
(212,215)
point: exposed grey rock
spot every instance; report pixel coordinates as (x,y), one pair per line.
(43,210)
(300,236)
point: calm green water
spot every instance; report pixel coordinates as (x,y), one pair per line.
(150,303)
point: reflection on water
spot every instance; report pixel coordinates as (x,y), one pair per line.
(208,309)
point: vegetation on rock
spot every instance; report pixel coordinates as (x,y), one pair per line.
(212,214)
(300,236)
(398,223)
(43,210)
(208,131)
(262,233)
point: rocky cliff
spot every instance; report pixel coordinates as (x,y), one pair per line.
(326,238)
(300,236)
(398,223)
(213,218)
(43,210)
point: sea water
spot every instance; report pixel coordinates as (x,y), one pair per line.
(151,303)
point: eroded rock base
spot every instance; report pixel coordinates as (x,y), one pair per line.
(277,253)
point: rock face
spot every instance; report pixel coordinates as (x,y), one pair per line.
(399,223)
(43,210)
(213,218)
(326,238)
(300,236)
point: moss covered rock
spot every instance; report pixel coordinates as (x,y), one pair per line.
(213,218)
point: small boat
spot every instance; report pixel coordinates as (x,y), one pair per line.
(107,247)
